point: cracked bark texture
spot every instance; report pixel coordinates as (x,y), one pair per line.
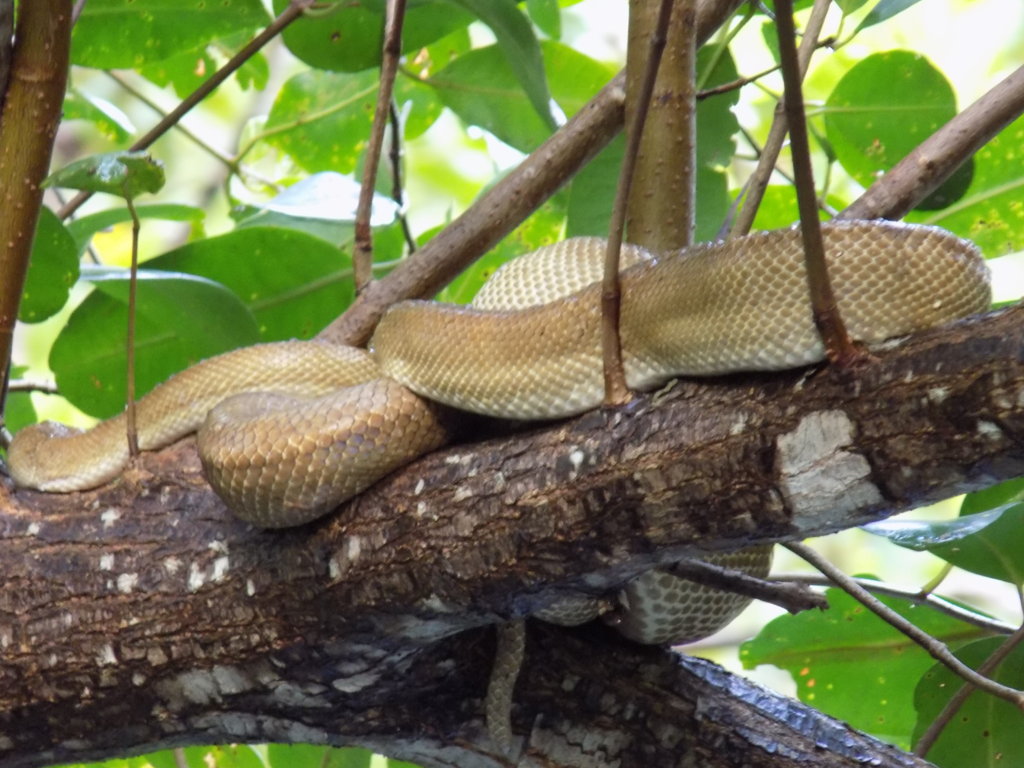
(142,615)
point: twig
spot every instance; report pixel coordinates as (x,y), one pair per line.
(792,596)
(397,193)
(753,190)
(77,11)
(25,385)
(935,649)
(931,734)
(935,159)
(838,346)
(508,202)
(615,390)
(290,14)
(133,435)
(916,596)
(6,44)
(362,254)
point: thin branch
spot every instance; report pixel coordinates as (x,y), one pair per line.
(793,596)
(916,596)
(935,649)
(753,190)
(362,254)
(838,346)
(615,390)
(934,730)
(397,192)
(6,44)
(499,210)
(25,385)
(934,160)
(290,14)
(132,431)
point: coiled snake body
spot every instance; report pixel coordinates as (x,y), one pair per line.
(321,423)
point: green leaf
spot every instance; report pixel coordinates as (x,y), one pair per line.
(18,410)
(322,119)
(885,10)
(522,51)
(482,90)
(995,496)
(547,16)
(985,731)
(574,78)
(52,270)
(310,756)
(125,174)
(83,229)
(129,33)
(882,108)
(181,319)
(990,212)
(294,284)
(988,543)
(592,192)
(110,121)
(349,37)
(184,71)
(851,664)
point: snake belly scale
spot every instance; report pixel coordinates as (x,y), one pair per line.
(288,431)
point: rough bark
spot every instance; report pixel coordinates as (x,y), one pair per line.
(142,615)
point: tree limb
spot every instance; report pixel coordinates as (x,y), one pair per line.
(144,607)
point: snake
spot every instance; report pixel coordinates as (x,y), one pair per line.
(288,431)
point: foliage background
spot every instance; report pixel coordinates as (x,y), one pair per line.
(231,258)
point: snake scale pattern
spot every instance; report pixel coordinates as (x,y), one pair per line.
(288,431)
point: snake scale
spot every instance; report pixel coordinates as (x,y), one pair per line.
(288,431)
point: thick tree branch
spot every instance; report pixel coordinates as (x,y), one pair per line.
(28,124)
(143,606)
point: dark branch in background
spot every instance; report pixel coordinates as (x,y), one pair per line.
(792,596)
(932,162)
(362,254)
(130,423)
(395,159)
(914,596)
(638,89)
(28,125)
(290,14)
(6,44)
(838,346)
(753,190)
(935,649)
(498,211)
(935,728)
